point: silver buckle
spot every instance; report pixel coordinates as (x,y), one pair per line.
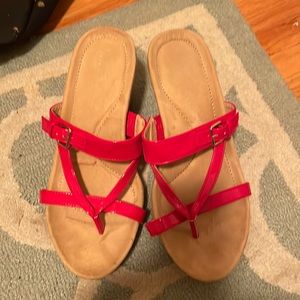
(66,143)
(213,135)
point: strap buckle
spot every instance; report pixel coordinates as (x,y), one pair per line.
(213,135)
(66,143)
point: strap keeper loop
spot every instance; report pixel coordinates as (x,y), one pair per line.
(220,137)
(66,144)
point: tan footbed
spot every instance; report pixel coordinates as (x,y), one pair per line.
(96,99)
(188,94)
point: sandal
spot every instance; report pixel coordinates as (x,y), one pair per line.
(189,147)
(95,195)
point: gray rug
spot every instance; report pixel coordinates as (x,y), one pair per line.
(32,78)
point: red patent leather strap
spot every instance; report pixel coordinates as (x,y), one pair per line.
(124,181)
(119,207)
(195,140)
(130,124)
(170,194)
(74,186)
(79,199)
(70,135)
(210,135)
(210,178)
(190,214)
(159,128)
(174,218)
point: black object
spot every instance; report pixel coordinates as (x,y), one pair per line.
(19,19)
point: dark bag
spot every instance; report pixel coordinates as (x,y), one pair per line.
(19,19)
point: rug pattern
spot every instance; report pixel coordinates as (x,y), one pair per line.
(267,141)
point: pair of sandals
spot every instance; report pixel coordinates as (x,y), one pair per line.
(95,194)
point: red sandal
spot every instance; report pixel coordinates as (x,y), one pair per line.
(95,195)
(204,230)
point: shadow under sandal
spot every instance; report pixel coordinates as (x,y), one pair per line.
(189,147)
(95,195)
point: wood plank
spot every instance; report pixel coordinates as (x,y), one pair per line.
(68,12)
(276,24)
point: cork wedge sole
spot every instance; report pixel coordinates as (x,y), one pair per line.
(96,99)
(188,94)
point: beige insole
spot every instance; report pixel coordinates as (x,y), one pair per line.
(96,99)
(188,94)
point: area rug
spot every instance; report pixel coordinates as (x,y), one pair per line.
(32,78)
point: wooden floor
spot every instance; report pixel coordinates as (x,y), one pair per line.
(276,24)
(71,11)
